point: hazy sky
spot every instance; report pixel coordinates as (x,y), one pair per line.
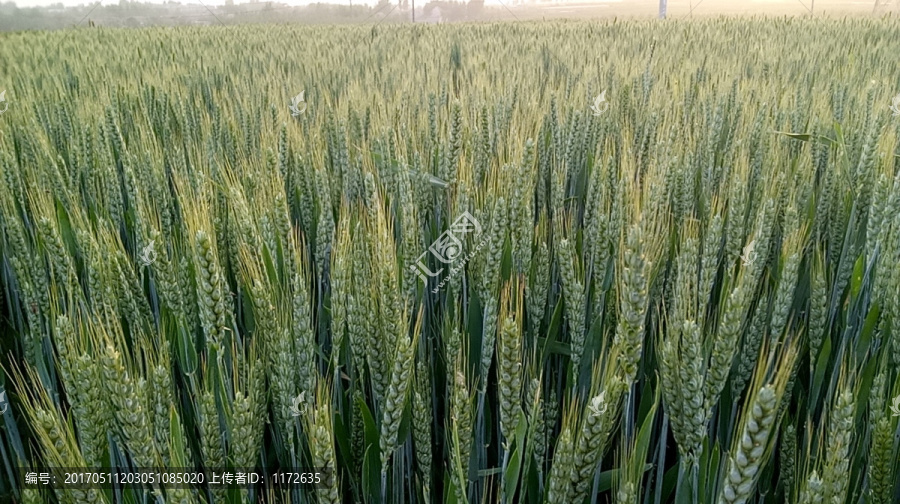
(69,3)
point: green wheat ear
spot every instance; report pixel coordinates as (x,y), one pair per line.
(695,253)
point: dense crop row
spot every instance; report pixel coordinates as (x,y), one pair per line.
(688,293)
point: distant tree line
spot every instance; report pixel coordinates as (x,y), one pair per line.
(137,14)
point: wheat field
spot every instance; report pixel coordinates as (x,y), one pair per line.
(563,262)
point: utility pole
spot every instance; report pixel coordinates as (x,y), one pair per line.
(414,10)
(662,9)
